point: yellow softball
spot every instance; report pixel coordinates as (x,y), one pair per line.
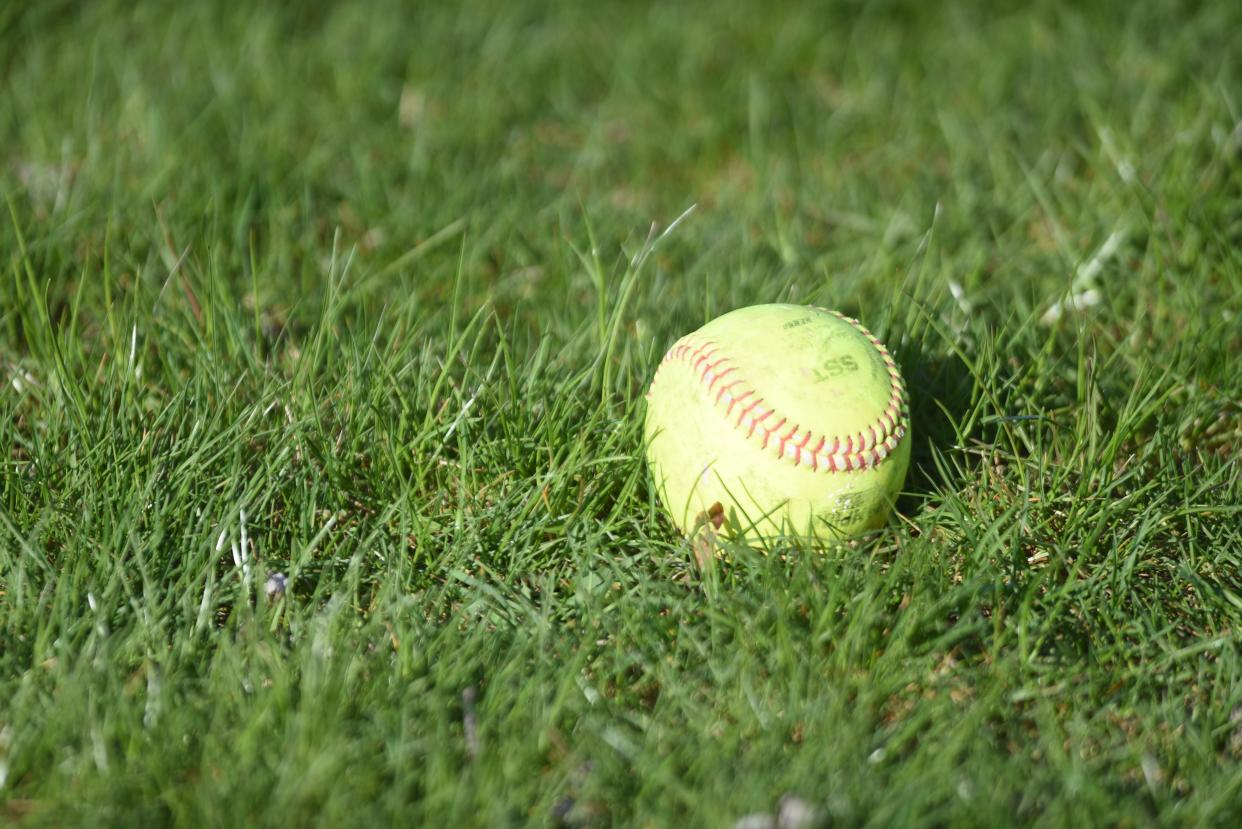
(781,420)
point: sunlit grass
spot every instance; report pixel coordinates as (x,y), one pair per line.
(368,298)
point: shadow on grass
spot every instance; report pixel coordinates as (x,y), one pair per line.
(939,389)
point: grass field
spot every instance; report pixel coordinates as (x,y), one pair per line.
(362,295)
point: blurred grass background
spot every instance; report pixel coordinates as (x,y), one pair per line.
(348,293)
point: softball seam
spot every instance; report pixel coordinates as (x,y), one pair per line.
(862,450)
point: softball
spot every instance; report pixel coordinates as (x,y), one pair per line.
(778,421)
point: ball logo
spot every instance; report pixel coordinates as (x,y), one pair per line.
(835,367)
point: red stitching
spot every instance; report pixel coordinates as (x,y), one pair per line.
(747,411)
(711,369)
(702,357)
(801,446)
(785,438)
(768,432)
(815,453)
(861,450)
(716,377)
(734,401)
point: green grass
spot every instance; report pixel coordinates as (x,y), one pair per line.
(346,293)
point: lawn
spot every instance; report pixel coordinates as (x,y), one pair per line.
(324,332)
